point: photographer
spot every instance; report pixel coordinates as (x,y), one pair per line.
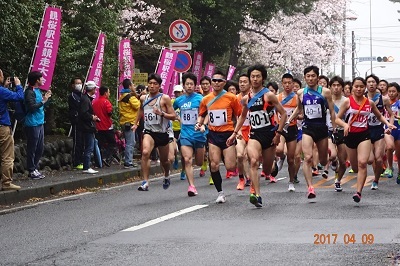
(129,106)
(87,120)
(34,121)
(6,138)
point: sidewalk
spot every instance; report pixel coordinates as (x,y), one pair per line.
(57,181)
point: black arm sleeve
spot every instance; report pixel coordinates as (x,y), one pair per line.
(30,101)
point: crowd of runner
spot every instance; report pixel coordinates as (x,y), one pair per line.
(327,125)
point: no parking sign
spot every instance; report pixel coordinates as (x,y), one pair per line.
(183,62)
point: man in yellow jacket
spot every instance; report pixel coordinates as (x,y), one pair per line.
(129,105)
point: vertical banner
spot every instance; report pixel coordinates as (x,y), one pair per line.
(209,70)
(125,62)
(96,66)
(45,55)
(231,71)
(165,68)
(174,81)
(197,65)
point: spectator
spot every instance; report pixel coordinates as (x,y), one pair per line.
(74,101)
(102,108)
(6,138)
(128,111)
(34,121)
(87,120)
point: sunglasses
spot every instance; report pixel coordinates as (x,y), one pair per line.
(218,80)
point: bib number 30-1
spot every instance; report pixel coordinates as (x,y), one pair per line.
(259,119)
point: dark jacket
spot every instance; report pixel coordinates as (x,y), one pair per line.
(34,107)
(86,114)
(74,103)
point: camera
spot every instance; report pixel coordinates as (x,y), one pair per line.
(12,80)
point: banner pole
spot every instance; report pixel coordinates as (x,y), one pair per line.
(158,61)
(91,61)
(30,64)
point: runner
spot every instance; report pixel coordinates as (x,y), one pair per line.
(192,141)
(205,83)
(383,87)
(347,89)
(297,158)
(243,137)
(376,127)
(288,99)
(176,127)
(358,110)
(220,107)
(314,101)
(336,145)
(394,138)
(158,112)
(264,136)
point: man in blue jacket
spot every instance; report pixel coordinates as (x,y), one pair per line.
(34,121)
(6,138)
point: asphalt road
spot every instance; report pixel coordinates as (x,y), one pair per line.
(123,226)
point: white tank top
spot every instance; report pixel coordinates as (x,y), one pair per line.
(152,121)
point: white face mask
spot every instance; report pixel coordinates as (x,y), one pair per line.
(78,87)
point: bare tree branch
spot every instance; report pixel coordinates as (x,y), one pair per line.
(261,33)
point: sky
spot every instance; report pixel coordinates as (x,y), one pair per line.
(385,37)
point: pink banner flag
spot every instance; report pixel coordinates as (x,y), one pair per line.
(125,61)
(44,59)
(231,71)
(165,68)
(174,81)
(96,68)
(209,70)
(197,65)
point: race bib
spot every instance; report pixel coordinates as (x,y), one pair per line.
(151,118)
(259,119)
(289,112)
(189,116)
(313,111)
(218,117)
(373,120)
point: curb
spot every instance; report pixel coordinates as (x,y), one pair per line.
(88,181)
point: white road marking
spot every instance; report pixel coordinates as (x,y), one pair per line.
(164,218)
(281,178)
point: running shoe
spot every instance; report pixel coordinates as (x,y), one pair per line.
(241,184)
(275,170)
(229,174)
(351,171)
(311,193)
(398,179)
(320,167)
(357,197)
(347,164)
(252,190)
(175,164)
(388,173)
(221,197)
(192,191)
(204,166)
(291,187)
(296,180)
(144,186)
(374,185)
(338,187)
(183,175)
(315,172)
(88,171)
(325,174)
(202,173)
(280,162)
(334,165)
(260,166)
(394,157)
(248,182)
(166,183)
(264,175)
(211,181)
(272,179)
(256,200)
(79,167)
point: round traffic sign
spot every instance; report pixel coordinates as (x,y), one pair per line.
(183,62)
(179,30)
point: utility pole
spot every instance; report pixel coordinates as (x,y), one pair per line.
(344,43)
(353,53)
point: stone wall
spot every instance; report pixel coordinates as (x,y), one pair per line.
(56,155)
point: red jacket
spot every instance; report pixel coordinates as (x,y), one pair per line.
(102,107)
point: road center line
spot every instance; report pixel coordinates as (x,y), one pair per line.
(164,218)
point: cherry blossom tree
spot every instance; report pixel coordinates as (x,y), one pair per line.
(292,42)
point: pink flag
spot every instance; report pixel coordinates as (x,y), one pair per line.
(209,70)
(174,81)
(126,62)
(198,65)
(96,68)
(165,67)
(231,71)
(45,55)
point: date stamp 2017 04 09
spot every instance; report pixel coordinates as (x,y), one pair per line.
(331,239)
